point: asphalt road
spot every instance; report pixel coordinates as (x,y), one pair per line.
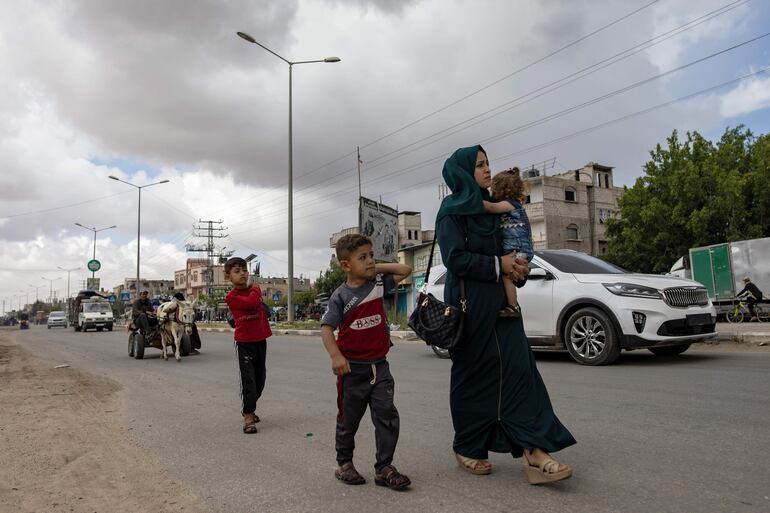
(689,433)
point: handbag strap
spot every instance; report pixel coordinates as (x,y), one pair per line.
(430,263)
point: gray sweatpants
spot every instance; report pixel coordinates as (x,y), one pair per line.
(367,385)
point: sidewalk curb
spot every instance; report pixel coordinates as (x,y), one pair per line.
(749,337)
(404,335)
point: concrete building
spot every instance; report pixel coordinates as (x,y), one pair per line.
(570,210)
(409,230)
(277,288)
(154,287)
(192,279)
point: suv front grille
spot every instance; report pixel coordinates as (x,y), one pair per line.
(686,296)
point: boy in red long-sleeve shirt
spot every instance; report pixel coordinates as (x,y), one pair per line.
(250,338)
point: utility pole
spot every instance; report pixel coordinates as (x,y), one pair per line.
(209,230)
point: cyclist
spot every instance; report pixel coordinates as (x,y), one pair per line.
(752,295)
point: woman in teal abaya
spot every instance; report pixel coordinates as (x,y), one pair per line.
(498,400)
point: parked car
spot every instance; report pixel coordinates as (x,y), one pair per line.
(593,309)
(57,320)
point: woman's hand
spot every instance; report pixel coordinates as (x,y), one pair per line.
(520,270)
(515,268)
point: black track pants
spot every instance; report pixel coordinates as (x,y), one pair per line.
(367,385)
(251,366)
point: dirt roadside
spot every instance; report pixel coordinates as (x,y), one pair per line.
(61,448)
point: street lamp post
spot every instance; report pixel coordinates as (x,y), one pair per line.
(50,281)
(36,287)
(95,230)
(68,271)
(138,221)
(290,290)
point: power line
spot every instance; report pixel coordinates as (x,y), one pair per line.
(584,72)
(477,91)
(501,79)
(545,119)
(43,211)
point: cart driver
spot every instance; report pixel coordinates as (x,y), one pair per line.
(143,313)
(752,294)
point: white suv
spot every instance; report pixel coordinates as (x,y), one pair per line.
(594,309)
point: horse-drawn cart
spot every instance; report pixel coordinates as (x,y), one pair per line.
(177,323)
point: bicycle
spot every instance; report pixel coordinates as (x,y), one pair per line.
(736,314)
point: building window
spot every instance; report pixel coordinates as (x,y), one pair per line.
(572,232)
(527,199)
(569,194)
(607,181)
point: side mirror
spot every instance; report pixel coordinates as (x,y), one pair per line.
(538,273)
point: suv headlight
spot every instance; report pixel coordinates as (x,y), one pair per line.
(631,290)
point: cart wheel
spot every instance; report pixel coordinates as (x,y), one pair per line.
(131,343)
(139,346)
(185,349)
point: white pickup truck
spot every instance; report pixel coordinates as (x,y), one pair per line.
(94,313)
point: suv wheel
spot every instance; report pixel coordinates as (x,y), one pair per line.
(590,337)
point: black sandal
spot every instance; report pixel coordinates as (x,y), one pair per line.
(510,311)
(392,478)
(348,474)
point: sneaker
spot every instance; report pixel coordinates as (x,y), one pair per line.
(510,311)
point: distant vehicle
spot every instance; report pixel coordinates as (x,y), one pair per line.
(90,310)
(57,319)
(594,309)
(721,269)
(40,317)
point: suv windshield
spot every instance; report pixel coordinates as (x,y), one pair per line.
(579,263)
(56,314)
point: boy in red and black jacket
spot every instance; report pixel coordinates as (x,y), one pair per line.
(358,358)
(250,338)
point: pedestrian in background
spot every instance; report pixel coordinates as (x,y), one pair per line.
(250,338)
(498,400)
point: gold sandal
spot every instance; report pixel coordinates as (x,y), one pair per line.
(477,467)
(540,474)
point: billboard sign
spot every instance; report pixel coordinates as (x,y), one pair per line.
(380,223)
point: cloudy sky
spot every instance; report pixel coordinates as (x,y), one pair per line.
(154,90)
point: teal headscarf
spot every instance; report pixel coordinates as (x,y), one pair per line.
(466,198)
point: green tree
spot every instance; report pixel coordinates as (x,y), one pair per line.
(332,278)
(305,297)
(693,193)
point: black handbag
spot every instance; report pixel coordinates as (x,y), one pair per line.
(437,323)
